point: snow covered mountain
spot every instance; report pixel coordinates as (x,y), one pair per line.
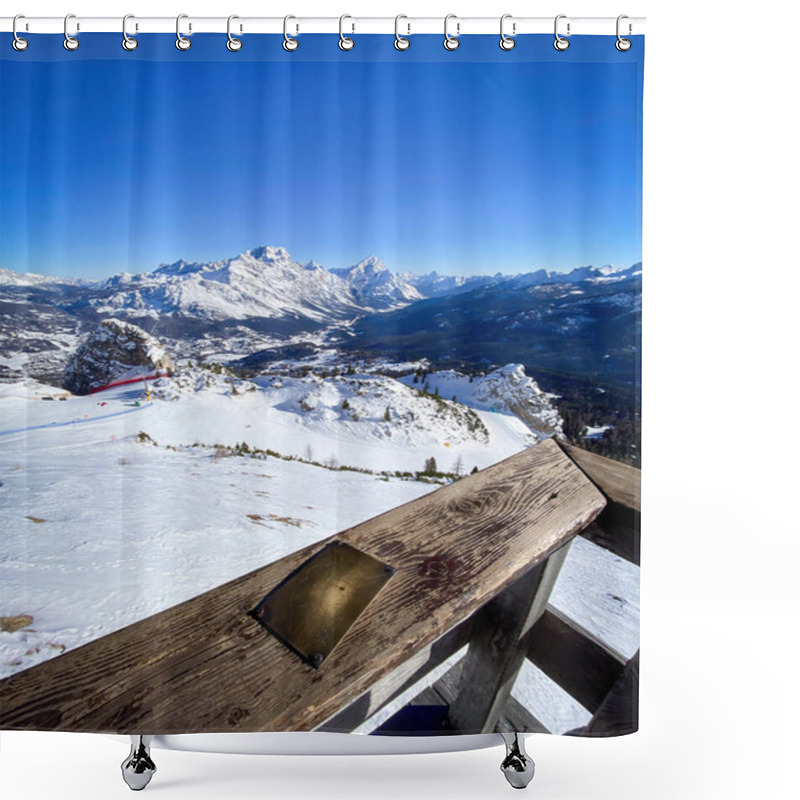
(585,324)
(372,284)
(264,282)
(10,278)
(263,305)
(435,285)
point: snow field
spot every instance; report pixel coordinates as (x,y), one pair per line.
(102,527)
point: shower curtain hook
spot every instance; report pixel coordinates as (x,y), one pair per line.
(561,43)
(181,42)
(401,42)
(19,43)
(451,42)
(622,44)
(289,44)
(233,44)
(345,42)
(70,42)
(127,42)
(507,42)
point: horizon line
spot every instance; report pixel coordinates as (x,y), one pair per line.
(472,273)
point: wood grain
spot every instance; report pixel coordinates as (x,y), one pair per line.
(618,482)
(498,647)
(618,714)
(206,666)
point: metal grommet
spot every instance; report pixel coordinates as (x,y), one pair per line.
(181,42)
(401,42)
(233,44)
(345,42)
(561,43)
(622,44)
(70,42)
(507,42)
(451,42)
(127,42)
(19,44)
(289,44)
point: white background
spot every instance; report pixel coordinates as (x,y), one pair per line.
(719,713)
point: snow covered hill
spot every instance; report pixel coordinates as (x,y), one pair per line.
(360,421)
(506,390)
(115,351)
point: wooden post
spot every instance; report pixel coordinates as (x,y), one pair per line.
(499,645)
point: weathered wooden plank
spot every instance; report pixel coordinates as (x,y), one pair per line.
(498,646)
(617,529)
(619,482)
(206,666)
(395,683)
(583,667)
(516,717)
(619,712)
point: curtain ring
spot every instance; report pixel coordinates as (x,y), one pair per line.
(127,42)
(561,43)
(622,44)
(289,44)
(401,42)
(450,42)
(19,43)
(345,42)
(181,42)
(506,42)
(233,44)
(70,42)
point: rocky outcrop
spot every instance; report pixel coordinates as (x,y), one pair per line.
(115,351)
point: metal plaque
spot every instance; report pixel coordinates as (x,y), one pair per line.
(315,606)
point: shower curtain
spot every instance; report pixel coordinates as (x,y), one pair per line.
(320,384)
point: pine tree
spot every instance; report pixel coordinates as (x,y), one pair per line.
(430,466)
(345,404)
(387,415)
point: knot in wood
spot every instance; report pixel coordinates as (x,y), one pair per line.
(236,715)
(436,569)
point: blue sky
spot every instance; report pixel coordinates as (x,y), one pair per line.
(469,165)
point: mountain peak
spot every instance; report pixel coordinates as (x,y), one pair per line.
(267,252)
(371,265)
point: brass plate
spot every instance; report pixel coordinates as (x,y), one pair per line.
(315,606)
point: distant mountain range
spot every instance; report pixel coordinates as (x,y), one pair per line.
(267,283)
(248,305)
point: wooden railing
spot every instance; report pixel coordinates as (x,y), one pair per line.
(589,670)
(474,565)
